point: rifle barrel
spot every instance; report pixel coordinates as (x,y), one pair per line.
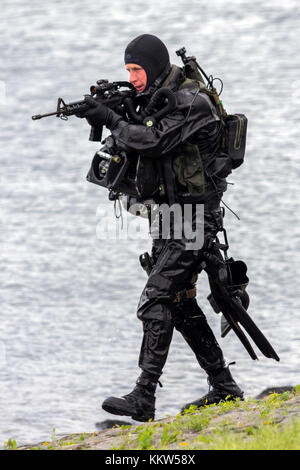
(40,116)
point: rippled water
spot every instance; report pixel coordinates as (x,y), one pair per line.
(69,333)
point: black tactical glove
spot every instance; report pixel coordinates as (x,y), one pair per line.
(98,114)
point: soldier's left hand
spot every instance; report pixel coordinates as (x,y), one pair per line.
(96,115)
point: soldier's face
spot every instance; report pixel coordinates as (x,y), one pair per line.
(137,76)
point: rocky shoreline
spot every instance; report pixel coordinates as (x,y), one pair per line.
(274,406)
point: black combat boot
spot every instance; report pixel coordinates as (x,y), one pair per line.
(139,404)
(223,388)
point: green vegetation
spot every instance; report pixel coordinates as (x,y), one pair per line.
(55,443)
(230,425)
(269,424)
(271,437)
(10,444)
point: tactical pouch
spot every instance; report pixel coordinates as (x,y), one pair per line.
(236,130)
(188,169)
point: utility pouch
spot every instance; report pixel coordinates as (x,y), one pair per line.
(188,169)
(236,130)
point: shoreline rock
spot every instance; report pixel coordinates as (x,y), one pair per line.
(240,418)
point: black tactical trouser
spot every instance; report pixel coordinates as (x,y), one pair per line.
(174,267)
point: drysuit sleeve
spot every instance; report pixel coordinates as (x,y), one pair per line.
(194,111)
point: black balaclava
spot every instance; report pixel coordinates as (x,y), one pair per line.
(149,52)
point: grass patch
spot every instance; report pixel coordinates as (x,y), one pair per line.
(269,424)
(266,437)
(251,424)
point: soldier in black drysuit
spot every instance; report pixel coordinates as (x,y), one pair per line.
(166,300)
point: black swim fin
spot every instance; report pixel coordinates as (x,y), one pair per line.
(231,307)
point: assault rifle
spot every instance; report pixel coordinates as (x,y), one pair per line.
(162,102)
(108,93)
(112,171)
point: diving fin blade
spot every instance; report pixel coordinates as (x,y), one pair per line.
(225,327)
(241,335)
(252,329)
(235,313)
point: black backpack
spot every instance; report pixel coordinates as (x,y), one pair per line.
(234,126)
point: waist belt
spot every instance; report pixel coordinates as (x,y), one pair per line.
(188,293)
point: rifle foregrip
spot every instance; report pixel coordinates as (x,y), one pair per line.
(96,134)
